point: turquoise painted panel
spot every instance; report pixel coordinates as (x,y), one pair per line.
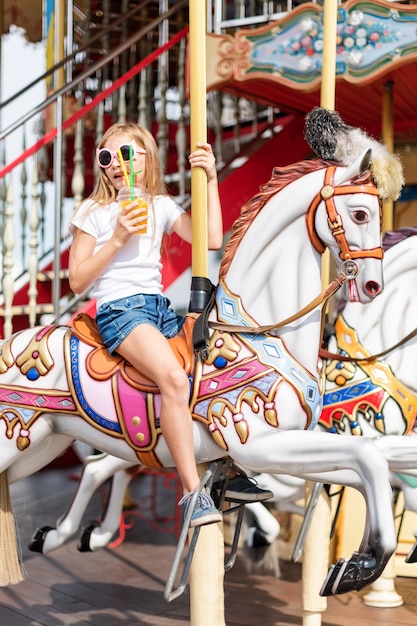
(369,36)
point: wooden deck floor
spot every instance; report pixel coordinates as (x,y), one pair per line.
(125,585)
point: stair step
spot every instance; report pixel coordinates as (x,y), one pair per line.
(45,277)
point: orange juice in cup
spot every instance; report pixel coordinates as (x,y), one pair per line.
(136,198)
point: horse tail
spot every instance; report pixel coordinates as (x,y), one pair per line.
(10,563)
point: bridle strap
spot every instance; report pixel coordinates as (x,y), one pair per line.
(321,299)
(326,195)
(325,354)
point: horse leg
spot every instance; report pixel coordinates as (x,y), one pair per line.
(98,534)
(262,529)
(287,491)
(339,460)
(97,469)
(266,528)
(410,504)
(400,452)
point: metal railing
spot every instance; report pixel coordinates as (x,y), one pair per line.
(144,90)
(34,218)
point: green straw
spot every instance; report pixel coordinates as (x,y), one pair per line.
(123,166)
(132,176)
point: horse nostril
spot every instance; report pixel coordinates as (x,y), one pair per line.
(373,288)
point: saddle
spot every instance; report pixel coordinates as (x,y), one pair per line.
(101,365)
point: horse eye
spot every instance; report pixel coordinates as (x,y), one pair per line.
(360,216)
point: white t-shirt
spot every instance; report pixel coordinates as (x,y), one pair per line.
(137,266)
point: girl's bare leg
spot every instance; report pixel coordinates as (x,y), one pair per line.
(149,351)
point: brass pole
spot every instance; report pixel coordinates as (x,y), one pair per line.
(208,561)
(328,87)
(59,47)
(388,139)
(198,132)
(328,80)
(316,547)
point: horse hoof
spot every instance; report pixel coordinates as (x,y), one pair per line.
(333,577)
(412,555)
(257,539)
(84,543)
(38,539)
(353,574)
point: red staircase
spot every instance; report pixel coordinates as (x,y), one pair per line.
(285,147)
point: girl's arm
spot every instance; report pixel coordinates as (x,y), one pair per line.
(85,266)
(204,157)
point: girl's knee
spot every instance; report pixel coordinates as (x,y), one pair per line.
(177,382)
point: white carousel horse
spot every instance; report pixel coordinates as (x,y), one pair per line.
(371,398)
(354,404)
(256,398)
(378,397)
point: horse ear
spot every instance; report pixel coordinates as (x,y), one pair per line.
(366,161)
(359,165)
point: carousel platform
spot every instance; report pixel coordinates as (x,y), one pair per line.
(123,584)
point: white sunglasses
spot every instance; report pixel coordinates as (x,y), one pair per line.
(105,156)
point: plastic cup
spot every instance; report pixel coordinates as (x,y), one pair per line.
(135,198)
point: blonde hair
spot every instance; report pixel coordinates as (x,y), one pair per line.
(104,192)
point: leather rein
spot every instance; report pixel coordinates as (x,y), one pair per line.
(325,354)
(335,223)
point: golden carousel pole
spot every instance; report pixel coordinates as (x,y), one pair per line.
(388,140)
(316,548)
(207,566)
(382,592)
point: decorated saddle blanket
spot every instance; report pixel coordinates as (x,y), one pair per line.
(361,386)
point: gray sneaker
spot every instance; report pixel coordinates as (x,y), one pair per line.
(204,511)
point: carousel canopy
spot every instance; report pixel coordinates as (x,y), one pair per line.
(281,63)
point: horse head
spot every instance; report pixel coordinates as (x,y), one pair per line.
(371,175)
(345,216)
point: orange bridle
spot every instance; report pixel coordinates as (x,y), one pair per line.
(327,194)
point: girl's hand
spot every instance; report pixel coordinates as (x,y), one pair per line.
(130,219)
(203,157)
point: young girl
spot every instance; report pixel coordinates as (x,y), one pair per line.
(124,267)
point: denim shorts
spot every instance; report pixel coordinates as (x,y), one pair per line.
(117,319)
